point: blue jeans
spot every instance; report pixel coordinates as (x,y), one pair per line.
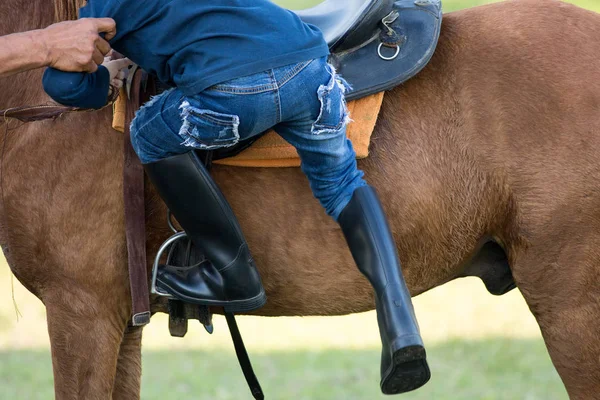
(304,103)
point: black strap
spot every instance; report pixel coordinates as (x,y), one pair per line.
(391,31)
(242,355)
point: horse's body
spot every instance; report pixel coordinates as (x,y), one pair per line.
(498,137)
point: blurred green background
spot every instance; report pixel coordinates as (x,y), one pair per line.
(449,5)
(479,346)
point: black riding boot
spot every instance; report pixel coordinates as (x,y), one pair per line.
(403,363)
(230,279)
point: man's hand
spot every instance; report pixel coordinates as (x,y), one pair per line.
(117,70)
(76,45)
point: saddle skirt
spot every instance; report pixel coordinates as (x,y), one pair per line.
(377,44)
(270,150)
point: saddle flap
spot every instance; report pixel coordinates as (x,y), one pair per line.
(406,42)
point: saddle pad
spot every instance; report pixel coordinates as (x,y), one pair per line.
(272,151)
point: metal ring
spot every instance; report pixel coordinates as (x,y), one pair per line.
(388,58)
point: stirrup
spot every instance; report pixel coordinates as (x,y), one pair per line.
(167,245)
(240,348)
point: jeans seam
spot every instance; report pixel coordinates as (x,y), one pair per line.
(276,98)
(263,88)
(205,116)
(278,102)
(243,90)
(295,71)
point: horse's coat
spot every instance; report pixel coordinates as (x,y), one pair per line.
(499,136)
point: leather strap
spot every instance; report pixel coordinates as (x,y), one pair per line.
(242,355)
(135,216)
(47,111)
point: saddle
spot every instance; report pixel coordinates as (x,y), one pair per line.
(375,46)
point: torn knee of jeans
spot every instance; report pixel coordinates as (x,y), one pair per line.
(206,130)
(333,115)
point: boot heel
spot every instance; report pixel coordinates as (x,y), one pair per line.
(246,305)
(409,371)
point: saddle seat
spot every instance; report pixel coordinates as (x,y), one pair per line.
(346,24)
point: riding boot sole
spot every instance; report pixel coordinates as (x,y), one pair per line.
(232,306)
(409,371)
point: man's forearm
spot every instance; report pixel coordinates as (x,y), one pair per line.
(21,52)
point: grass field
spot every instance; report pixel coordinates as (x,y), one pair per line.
(502,369)
(449,5)
(480,347)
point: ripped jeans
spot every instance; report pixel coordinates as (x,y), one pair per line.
(304,103)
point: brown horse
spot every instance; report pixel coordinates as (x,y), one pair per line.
(498,137)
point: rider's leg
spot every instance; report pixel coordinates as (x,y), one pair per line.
(230,279)
(329,162)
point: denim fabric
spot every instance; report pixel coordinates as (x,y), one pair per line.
(304,102)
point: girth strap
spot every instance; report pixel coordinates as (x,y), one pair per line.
(135,218)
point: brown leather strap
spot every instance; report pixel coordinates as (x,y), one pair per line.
(135,218)
(133,193)
(47,111)
(37,113)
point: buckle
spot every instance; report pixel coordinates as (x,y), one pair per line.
(389,37)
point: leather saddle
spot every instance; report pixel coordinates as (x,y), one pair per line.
(377,44)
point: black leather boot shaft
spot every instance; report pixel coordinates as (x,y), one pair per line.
(403,364)
(199,206)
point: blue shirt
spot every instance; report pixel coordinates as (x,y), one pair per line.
(191,44)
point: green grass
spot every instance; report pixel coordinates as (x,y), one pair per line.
(493,369)
(448,5)
(479,347)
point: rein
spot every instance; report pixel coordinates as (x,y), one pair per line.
(47,111)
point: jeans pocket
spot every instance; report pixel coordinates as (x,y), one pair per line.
(333,115)
(205,129)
